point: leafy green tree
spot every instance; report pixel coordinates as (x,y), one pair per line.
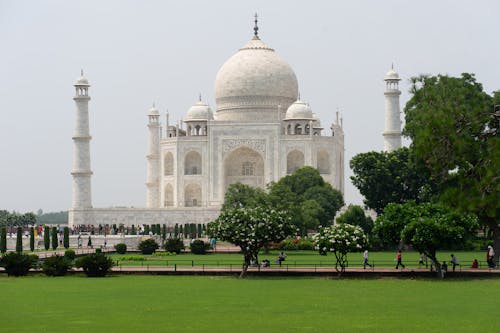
(46,237)
(251,229)
(3,239)
(340,239)
(355,215)
(312,213)
(54,238)
(19,240)
(148,246)
(454,129)
(32,239)
(66,238)
(385,177)
(240,195)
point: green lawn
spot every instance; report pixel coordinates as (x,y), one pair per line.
(294,258)
(222,304)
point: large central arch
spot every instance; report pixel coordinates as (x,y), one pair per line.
(244,165)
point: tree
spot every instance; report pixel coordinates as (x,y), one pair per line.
(3,240)
(28,219)
(164,232)
(66,238)
(454,128)
(46,237)
(176,230)
(355,215)
(54,238)
(385,177)
(19,240)
(240,195)
(340,239)
(251,229)
(32,239)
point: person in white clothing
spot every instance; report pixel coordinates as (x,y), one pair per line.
(365,259)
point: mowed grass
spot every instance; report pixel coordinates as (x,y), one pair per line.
(224,304)
(294,258)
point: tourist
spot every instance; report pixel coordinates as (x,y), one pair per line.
(454,261)
(281,257)
(89,243)
(79,240)
(475,264)
(399,257)
(490,253)
(423,260)
(365,259)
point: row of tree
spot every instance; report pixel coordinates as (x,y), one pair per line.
(50,238)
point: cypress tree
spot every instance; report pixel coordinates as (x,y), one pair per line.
(46,237)
(164,232)
(19,240)
(176,230)
(32,239)
(199,230)
(181,232)
(132,230)
(146,229)
(66,238)
(54,238)
(3,239)
(158,229)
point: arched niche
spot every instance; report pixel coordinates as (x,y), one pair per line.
(244,165)
(169,196)
(323,162)
(168,164)
(294,161)
(192,195)
(192,163)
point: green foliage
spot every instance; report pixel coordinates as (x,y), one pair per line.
(70,254)
(19,240)
(454,130)
(95,264)
(174,245)
(56,265)
(199,247)
(46,237)
(52,218)
(385,177)
(98,251)
(164,232)
(181,232)
(133,231)
(176,230)
(54,238)
(240,195)
(121,248)
(146,229)
(3,239)
(355,215)
(32,239)
(293,244)
(148,246)
(199,231)
(17,264)
(251,229)
(66,238)
(340,239)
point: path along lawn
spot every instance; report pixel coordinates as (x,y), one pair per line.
(294,258)
(225,304)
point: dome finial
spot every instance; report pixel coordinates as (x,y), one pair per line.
(256,27)
(298,97)
(199,97)
(392,65)
(81,72)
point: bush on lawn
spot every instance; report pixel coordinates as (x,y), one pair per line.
(121,248)
(199,247)
(148,246)
(174,245)
(293,244)
(95,264)
(98,251)
(17,264)
(70,254)
(56,265)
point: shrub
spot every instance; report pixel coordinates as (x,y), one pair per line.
(133,231)
(17,264)
(95,264)
(292,244)
(164,254)
(66,238)
(121,248)
(3,240)
(199,247)
(148,246)
(98,251)
(46,237)
(56,265)
(70,254)
(32,239)
(174,245)
(54,238)
(19,240)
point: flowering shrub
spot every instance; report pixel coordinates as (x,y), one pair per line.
(340,239)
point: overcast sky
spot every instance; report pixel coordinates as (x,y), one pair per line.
(137,52)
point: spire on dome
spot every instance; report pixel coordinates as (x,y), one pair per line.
(81,72)
(199,97)
(256,28)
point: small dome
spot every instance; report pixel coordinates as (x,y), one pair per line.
(299,110)
(82,80)
(392,75)
(153,111)
(199,111)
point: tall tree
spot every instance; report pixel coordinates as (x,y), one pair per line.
(454,130)
(385,177)
(355,215)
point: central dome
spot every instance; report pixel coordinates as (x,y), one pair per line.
(252,83)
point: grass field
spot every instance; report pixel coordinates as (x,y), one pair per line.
(294,258)
(218,304)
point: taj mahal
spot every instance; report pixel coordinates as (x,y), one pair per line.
(260,131)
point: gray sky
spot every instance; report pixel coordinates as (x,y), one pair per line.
(137,52)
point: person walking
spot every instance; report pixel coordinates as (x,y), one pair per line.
(365,259)
(490,253)
(454,261)
(400,263)
(89,243)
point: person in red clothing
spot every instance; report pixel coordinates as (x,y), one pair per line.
(475,264)
(400,263)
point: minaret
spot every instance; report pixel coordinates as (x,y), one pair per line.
(153,158)
(392,132)
(82,194)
